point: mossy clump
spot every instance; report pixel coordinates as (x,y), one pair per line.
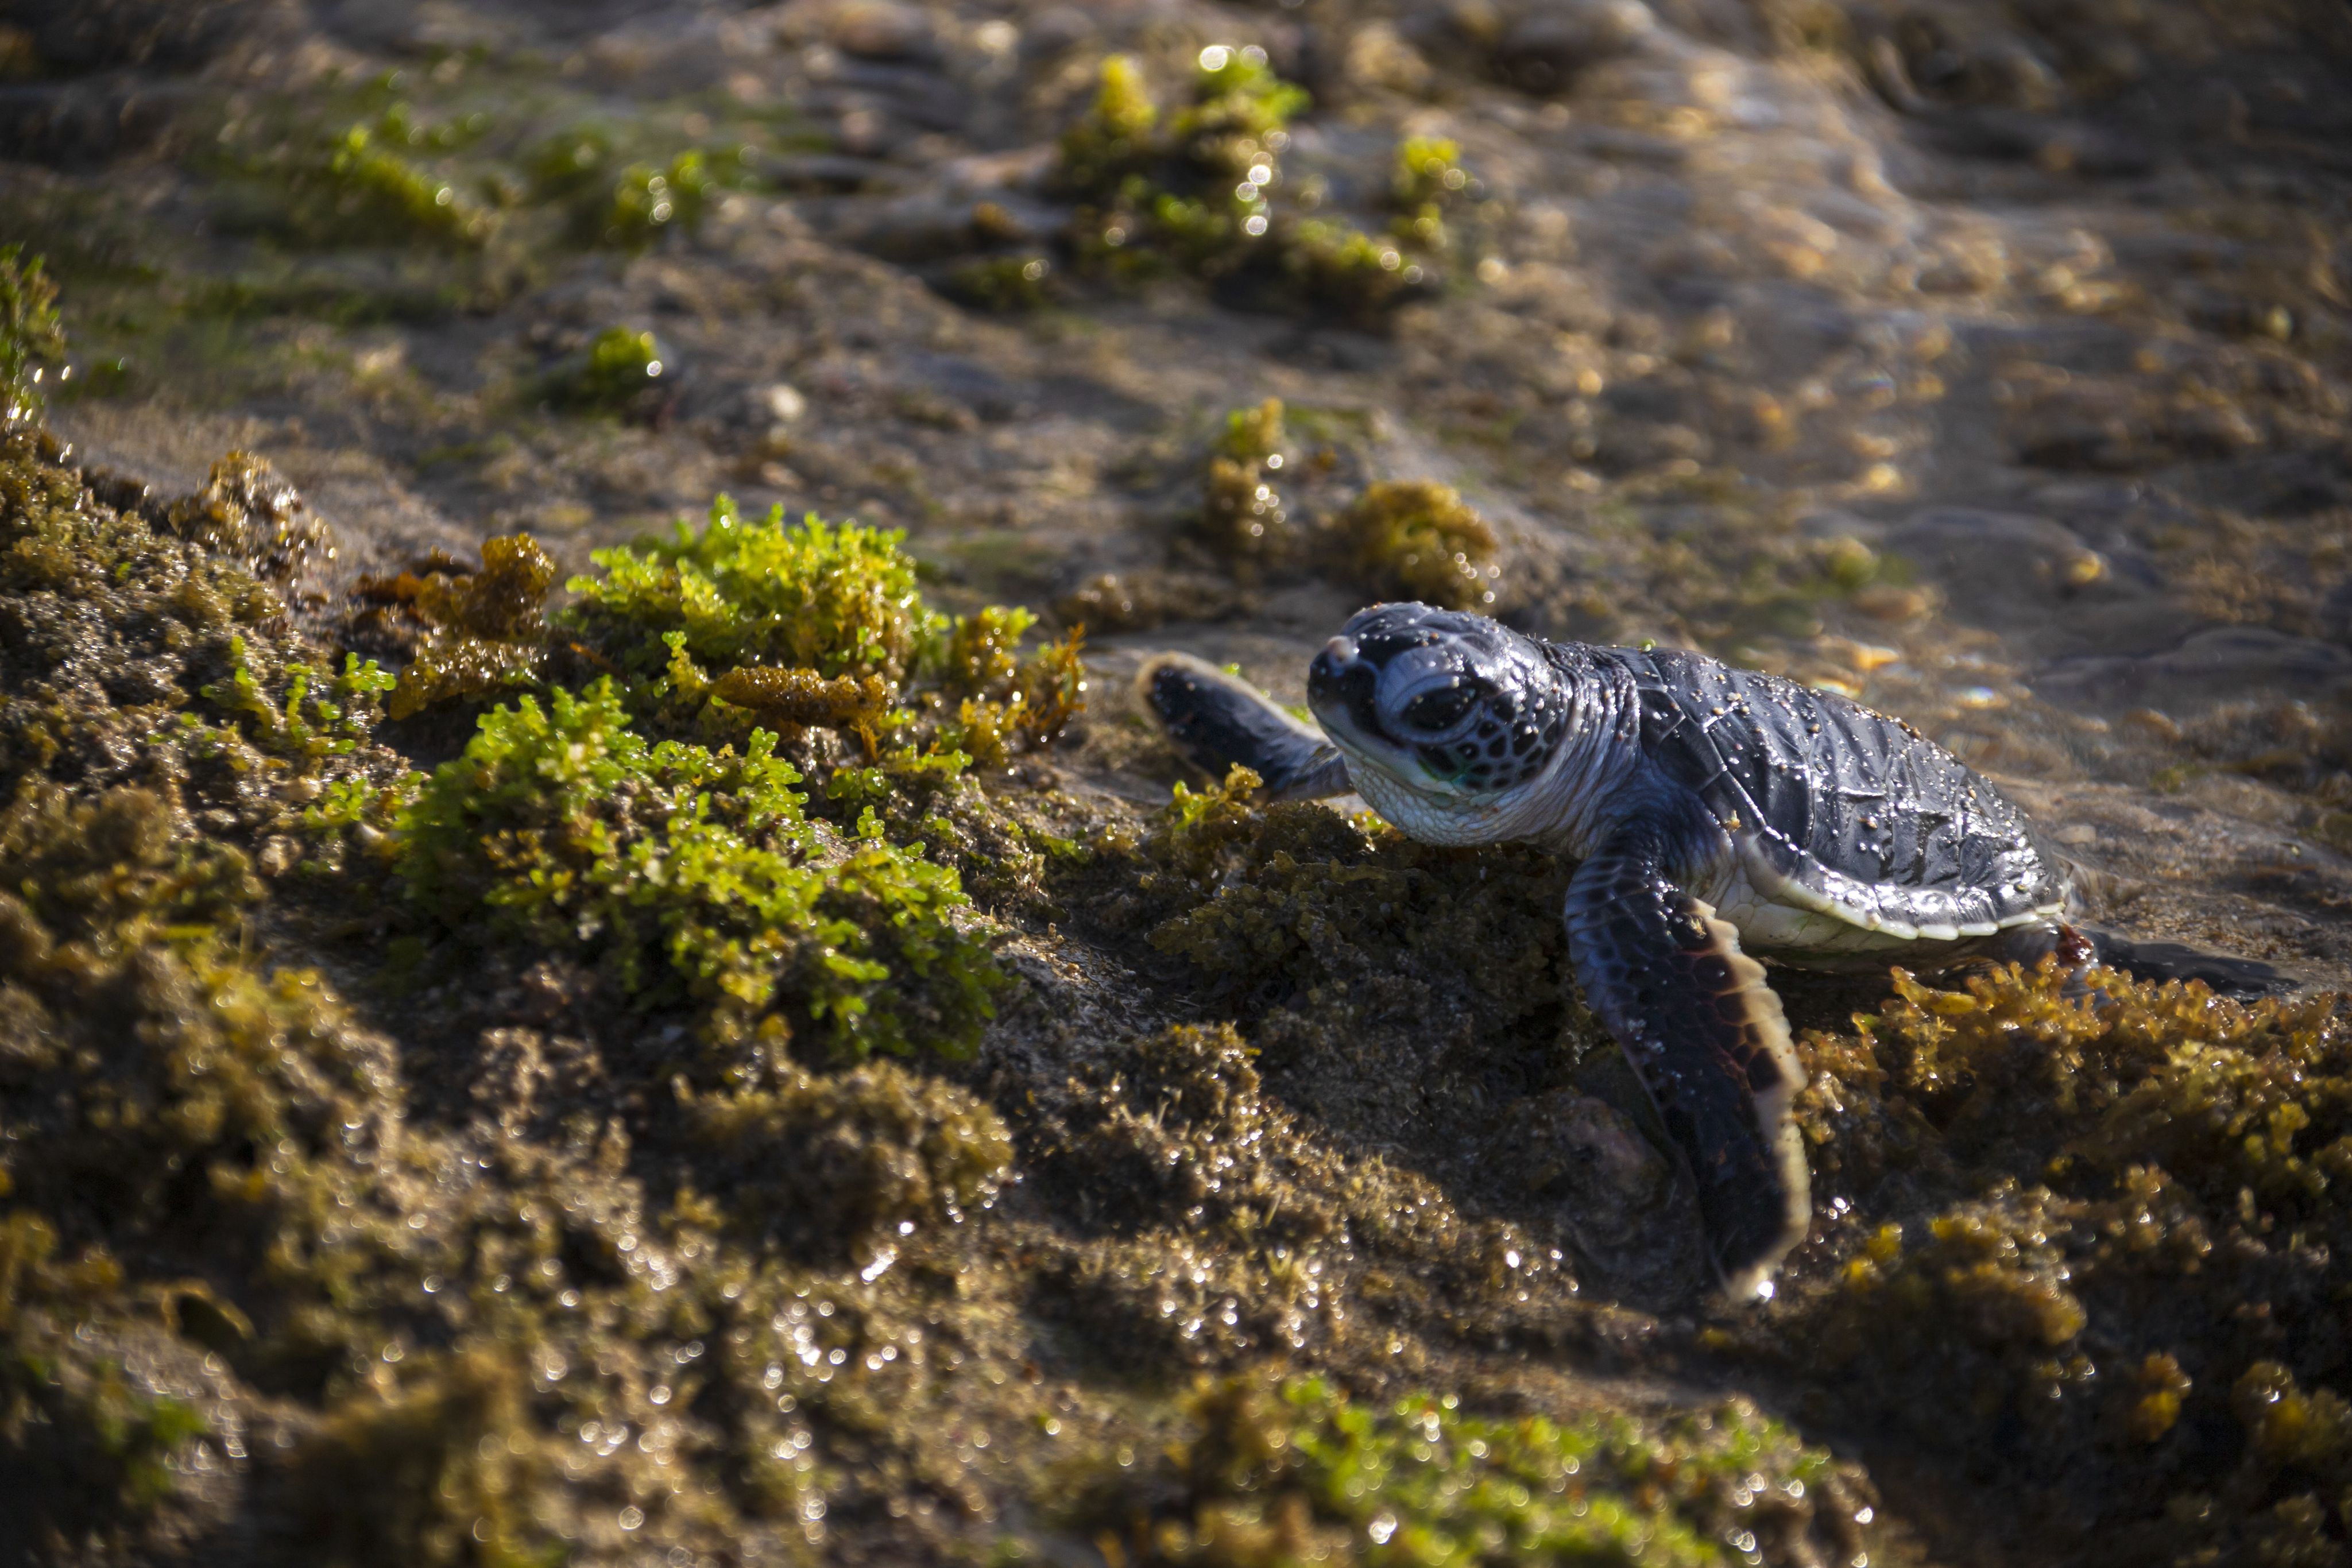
(100,1445)
(1415,538)
(1437,203)
(1267,899)
(1222,1227)
(1330,937)
(617,373)
(1265,1474)
(612,197)
(485,631)
(1349,271)
(375,193)
(2106,1218)
(649,200)
(1201,191)
(1005,284)
(689,875)
(1005,700)
(247,512)
(30,337)
(836,599)
(1241,514)
(438,1467)
(841,1168)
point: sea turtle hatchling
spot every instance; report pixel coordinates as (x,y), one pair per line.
(1717,812)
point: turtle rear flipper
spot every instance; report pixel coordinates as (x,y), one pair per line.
(2161,961)
(1215,720)
(2076,945)
(1706,1036)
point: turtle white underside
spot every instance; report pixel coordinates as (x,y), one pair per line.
(1784,915)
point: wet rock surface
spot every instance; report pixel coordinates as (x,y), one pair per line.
(1234,1184)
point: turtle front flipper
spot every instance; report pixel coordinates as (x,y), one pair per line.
(1215,720)
(1706,1036)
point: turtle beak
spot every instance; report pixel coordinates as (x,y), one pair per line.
(1340,685)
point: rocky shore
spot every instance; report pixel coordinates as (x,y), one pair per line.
(595,967)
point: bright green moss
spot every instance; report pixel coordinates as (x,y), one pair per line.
(1189,192)
(840,599)
(1006,699)
(1240,110)
(30,339)
(1428,170)
(1301,1472)
(1436,202)
(1346,270)
(693,875)
(1113,138)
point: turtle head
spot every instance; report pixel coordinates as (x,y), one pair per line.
(1458,709)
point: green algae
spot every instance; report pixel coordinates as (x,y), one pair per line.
(839,1168)
(615,374)
(1300,896)
(689,874)
(609,198)
(406,1326)
(1241,514)
(556,1238)
(30,339)
(484,631)
(647,199)
(841,599)
(1201,191)
(1003,283)
(376,193)
(2113,1243)
(98,1441)
(246,512)
(1395,539)
(1418,540)
(1298,1471)
(136,659)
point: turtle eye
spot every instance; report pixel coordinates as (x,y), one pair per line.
(1440,709)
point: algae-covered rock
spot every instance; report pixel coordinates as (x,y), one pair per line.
(689,874)
(2111,1250)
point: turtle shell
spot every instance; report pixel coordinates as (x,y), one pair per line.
(1840,810)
